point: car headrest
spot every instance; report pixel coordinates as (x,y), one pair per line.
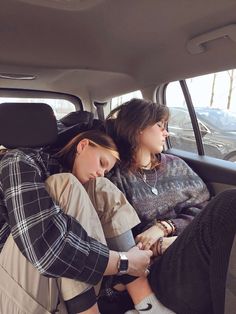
(110,127)
(27,125)
(76,117)
(81,121)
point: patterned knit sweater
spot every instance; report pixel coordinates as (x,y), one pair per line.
(181,194)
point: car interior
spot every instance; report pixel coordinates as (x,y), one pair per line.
(84,55)
(89,52)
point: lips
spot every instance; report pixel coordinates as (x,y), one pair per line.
(92,177)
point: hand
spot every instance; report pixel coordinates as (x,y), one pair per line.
(159,248)
(149,237)
(139,261)
(167,242)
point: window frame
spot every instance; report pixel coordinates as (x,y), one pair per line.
(161,98)
(19,93)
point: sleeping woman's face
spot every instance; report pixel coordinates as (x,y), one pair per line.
(91,161)
(153,137)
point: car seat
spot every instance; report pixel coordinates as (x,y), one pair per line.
(27,125)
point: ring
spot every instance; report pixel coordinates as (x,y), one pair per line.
(147,272)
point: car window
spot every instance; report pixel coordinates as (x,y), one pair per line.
(61,107)
(180,126)
(213,98)
(117,101)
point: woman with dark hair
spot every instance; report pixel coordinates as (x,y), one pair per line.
(57,215)
(190,235)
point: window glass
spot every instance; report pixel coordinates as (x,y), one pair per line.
(61,107)
(117,101)
(180,128)
(214,100)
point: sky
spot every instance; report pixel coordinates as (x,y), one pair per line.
(200,89)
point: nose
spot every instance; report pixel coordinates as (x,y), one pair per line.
(165,133)
(100,172)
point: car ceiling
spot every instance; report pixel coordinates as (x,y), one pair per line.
(97,49)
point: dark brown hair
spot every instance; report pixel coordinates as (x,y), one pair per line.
(129,119)
(96,138)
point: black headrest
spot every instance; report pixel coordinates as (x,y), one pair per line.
(27,125)
(73,124)
(76,117)
(110,127)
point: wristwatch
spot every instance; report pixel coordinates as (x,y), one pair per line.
(123,264)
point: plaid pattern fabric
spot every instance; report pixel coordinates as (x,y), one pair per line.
(55,243)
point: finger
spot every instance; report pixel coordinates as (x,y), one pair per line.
(145,246)
(138,238)
(149,252)
(147,272)
(148,244)
(145,242)
(139,245)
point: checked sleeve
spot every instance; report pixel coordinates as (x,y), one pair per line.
(55,243)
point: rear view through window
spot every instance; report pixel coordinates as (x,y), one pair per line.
(61,107)
(214,100)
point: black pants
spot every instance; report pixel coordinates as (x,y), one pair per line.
(190,277)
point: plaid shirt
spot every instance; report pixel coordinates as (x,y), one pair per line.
(55,243)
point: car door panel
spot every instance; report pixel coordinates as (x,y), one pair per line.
(219,175)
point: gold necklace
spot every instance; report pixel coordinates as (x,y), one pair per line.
(144,178)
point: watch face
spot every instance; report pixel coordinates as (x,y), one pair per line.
(123,264)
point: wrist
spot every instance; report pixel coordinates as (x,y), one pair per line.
(161,225)
(159,230)
(166,226)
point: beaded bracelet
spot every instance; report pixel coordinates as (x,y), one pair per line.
(170,223)
(174,226)
(163,227)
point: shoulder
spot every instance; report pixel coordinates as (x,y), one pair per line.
(168,158)
(14,155)
(21,154)
(25,156)
(174,163)
(120,173)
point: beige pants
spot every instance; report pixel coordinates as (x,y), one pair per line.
(28,291)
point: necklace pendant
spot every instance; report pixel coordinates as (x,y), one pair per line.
(144,178)
(154,190)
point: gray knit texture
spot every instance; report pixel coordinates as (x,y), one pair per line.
(181,193)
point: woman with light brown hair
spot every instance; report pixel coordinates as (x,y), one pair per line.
(57,214)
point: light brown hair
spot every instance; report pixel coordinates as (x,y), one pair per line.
(96,138)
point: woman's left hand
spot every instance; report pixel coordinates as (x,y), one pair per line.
(149,237)
(162,245)
(167,241)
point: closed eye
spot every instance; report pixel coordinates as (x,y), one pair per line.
(104,163)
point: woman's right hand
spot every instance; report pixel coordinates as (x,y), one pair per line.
(148,237)
(139,261)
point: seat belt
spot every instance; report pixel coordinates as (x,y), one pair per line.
(100,109)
